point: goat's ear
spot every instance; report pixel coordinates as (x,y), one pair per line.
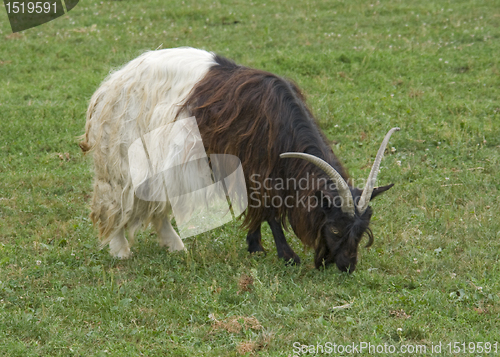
(324,201)
(378,190)
(320,254)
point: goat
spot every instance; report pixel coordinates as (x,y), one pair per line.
(254,115)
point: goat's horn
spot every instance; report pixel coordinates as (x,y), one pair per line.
(364,200)
(343,188)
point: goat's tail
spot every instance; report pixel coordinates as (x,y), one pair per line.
(84,144)
(88,140)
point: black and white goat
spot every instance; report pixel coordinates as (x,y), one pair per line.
(252,114)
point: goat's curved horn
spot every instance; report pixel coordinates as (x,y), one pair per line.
(364,200)
(343,188)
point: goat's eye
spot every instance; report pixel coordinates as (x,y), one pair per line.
(334,230)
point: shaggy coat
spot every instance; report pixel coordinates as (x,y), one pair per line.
(249,113)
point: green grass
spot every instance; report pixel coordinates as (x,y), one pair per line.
(432,68)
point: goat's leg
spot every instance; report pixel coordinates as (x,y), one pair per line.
(167,236)
(284,250)
(118,245)
(254,240)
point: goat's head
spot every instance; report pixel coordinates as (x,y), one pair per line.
(343,214)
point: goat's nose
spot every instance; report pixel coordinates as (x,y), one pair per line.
(347,268)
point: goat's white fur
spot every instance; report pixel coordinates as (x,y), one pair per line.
(145,94)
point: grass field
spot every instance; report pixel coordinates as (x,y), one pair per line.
(433,273)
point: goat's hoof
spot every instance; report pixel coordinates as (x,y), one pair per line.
(174,248)
(123,253)
(292,260)
(177,249)
(256,249)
